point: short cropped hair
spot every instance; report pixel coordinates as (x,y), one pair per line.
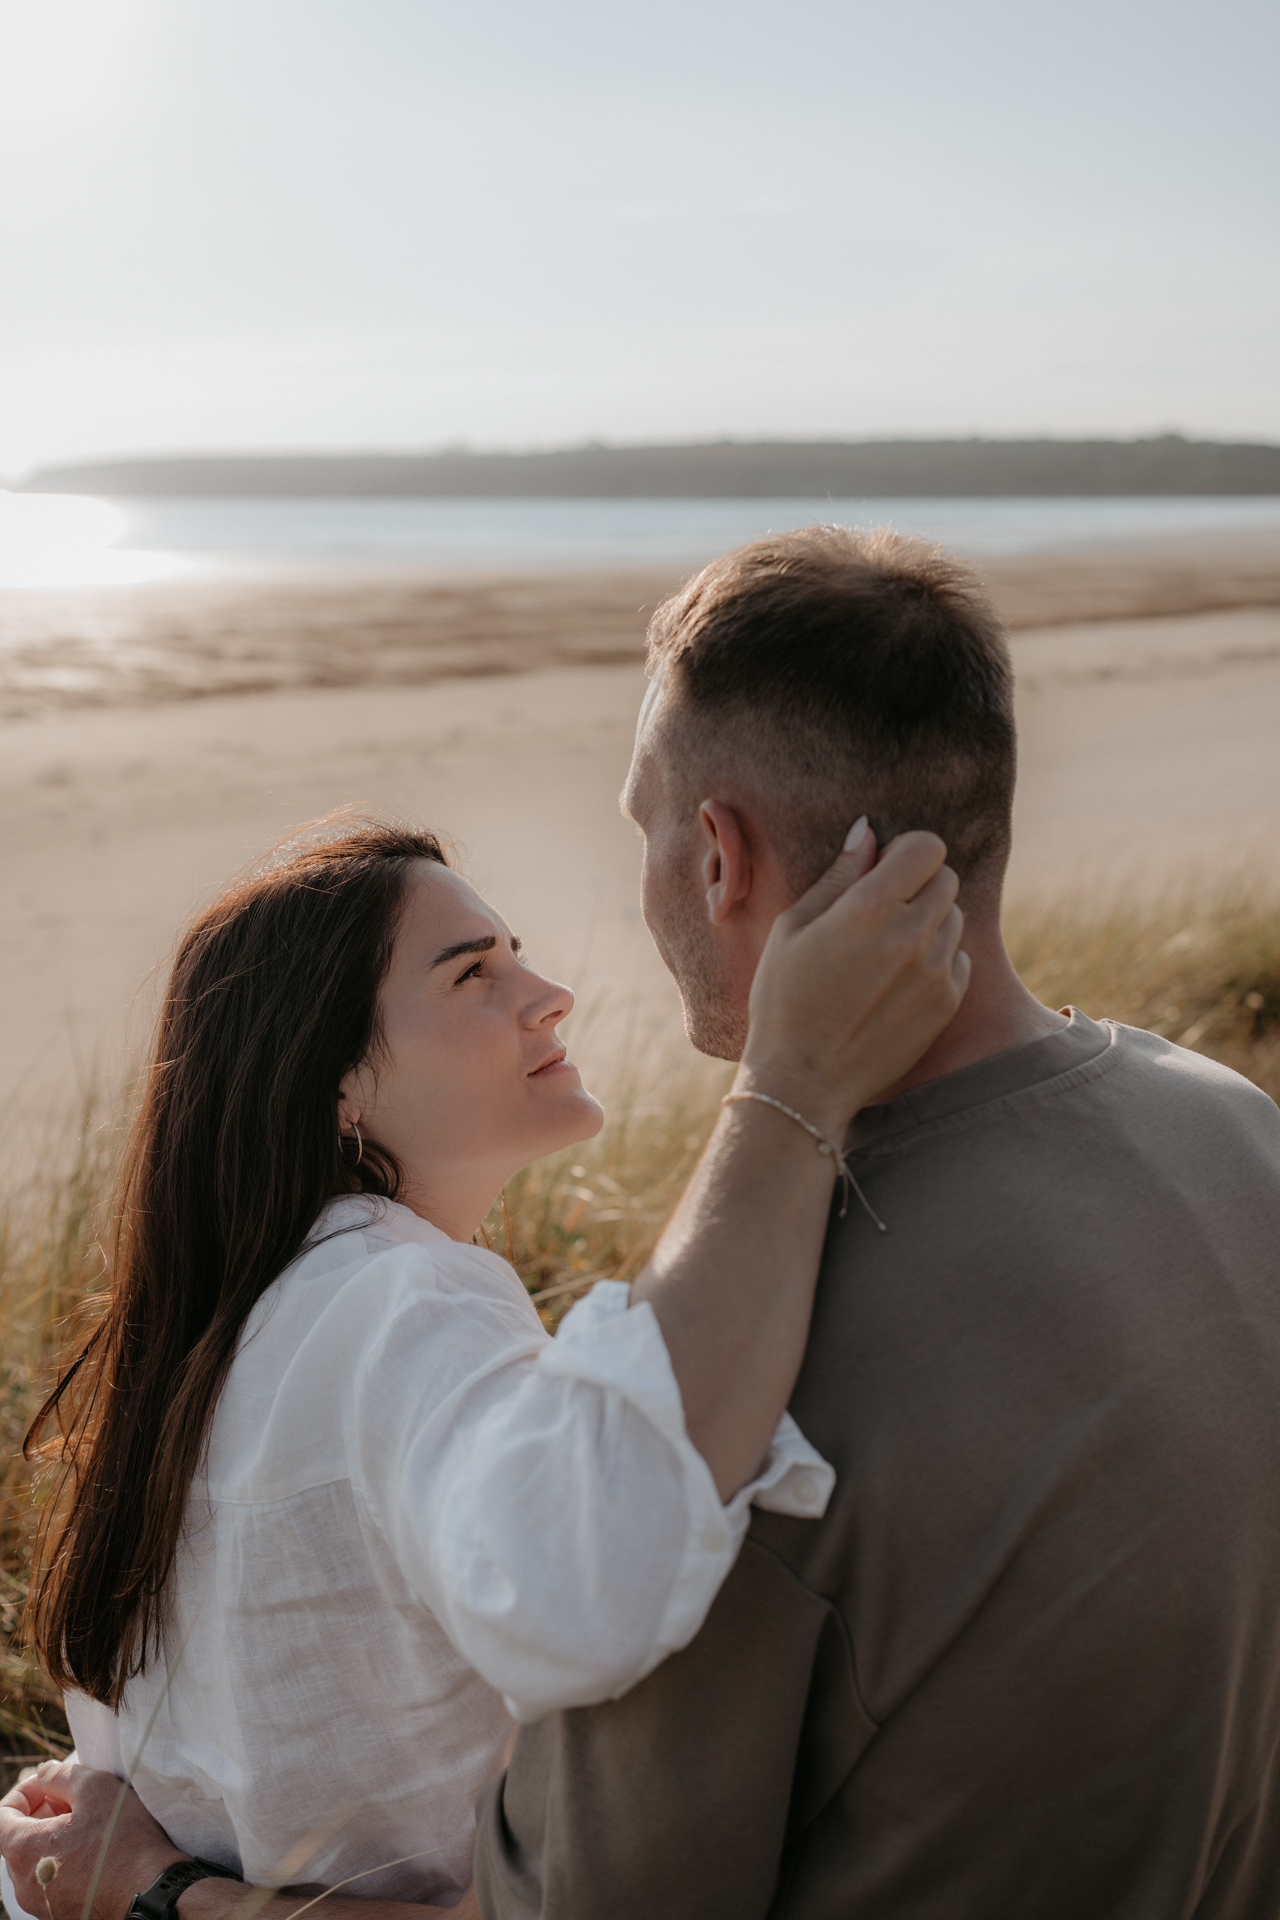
(837,673)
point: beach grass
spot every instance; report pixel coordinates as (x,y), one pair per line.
(50,1268)
(1201,967)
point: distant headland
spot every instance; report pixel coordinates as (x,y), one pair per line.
(739,469)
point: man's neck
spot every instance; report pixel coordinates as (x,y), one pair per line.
(996,1014)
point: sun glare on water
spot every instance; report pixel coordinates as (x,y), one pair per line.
(64,540)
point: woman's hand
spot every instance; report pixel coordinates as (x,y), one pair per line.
(62,1812)
(857,979)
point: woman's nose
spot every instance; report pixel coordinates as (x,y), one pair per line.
(549,1003)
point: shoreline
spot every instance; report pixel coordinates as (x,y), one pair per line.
(68,649)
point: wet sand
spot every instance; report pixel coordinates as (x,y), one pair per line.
(1149,745)
(177,641)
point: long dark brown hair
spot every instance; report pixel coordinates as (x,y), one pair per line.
(232,1154)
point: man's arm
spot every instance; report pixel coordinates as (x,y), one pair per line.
(63,1813)
(679,1800)
(204,1901)
(683,1798)
(221,1899)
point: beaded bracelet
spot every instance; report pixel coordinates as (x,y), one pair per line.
(824,1146)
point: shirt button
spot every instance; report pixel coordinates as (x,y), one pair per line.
(714,1539)
(805,1489)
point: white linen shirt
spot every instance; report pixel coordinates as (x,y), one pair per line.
(419,1514)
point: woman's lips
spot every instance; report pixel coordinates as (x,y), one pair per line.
(558,1063)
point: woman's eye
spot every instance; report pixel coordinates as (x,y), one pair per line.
(473,972)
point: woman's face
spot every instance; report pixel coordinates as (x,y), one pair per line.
(471,1082)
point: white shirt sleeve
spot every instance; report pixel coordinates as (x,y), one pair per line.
(11,1904)
(545,1502)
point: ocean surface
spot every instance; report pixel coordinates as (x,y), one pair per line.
(50,540)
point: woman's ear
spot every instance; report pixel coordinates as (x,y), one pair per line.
(726,864)
(353,1097)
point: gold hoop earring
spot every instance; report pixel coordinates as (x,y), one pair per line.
(359,1143)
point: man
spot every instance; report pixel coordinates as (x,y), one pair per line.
(1027,1666)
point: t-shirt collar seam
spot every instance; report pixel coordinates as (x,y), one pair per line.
(998,1105)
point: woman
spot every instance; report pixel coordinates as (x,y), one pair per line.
(335,1507)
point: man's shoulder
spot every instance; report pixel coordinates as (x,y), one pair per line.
(1171,1072)
(1053,1234)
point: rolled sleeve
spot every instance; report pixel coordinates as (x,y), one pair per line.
(554,1514)
(607,1343)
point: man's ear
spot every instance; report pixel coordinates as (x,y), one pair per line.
(726,864)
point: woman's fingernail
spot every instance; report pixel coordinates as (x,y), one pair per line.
(856,835)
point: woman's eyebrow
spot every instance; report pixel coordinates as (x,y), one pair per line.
(484,944)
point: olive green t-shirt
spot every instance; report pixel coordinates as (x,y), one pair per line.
(1027,1667)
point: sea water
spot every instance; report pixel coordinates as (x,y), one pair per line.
(51,540)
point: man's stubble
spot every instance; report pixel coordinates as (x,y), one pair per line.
(673,909)
(713,1021)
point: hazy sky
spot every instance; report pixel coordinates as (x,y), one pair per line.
(293,223)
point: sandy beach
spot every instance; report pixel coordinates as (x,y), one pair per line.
(190,639)
(154,740)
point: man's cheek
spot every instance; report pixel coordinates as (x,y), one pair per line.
(646,892)
(654,892)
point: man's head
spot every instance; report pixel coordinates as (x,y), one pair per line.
(796,684)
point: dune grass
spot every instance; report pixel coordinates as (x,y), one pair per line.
(594,1212)
(50,1265)
(1201,967)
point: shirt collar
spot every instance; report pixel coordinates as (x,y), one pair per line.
(1074,1045)
(368,1212)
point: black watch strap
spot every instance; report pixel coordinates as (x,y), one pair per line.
(164,1893)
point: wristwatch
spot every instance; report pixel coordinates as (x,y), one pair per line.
(161,1898)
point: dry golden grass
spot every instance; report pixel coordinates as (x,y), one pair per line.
(595,1211)
(49,1265)
(1202,968)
